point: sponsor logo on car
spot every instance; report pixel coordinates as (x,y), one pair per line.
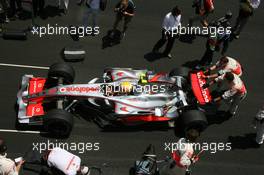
(79,89)
(204,91)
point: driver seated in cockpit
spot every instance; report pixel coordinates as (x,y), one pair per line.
(123,88)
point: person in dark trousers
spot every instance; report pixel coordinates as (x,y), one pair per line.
(5,10)
(38,7)
(214,42)
(246,9)
(125,9)
(16,8)
(202,9)
(171,22)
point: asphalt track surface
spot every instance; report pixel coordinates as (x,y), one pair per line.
(119,149)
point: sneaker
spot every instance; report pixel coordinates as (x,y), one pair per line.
(236,36)
(171,124)
(123,35)
(7,20)
(168,55)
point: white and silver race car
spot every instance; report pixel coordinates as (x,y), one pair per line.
(125,95)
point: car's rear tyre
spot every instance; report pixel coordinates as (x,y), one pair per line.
(194,119)
(181,71)
(58,122)
(181,74)
(63,71)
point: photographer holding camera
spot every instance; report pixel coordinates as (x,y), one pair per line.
(125,9)
(8,166)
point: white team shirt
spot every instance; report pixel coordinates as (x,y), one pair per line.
(7,166)
(232,66)
(65,161)
(235,87)
(171,22)
(186,151)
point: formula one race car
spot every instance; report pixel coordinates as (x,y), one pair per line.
(123,95)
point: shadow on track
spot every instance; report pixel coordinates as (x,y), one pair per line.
(151,57)
(246,141)
(112,38)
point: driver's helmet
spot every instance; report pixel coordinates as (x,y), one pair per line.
(126,87)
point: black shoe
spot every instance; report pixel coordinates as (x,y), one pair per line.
(228,114)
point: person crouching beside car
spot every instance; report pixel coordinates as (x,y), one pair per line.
(65,162)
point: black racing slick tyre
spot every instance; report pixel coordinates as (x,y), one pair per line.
(194,119)
(181,71)
(58,122)
(62,70)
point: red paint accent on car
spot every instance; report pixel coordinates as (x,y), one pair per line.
(36,85)
(143,118)
(34,110)
(156,77)
(202,95)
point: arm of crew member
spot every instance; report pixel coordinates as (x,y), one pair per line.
(19,165)
(229,93)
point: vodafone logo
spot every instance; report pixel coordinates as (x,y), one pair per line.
(40,85)
(79,89)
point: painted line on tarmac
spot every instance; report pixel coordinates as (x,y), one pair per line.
(24,66)
(18,131)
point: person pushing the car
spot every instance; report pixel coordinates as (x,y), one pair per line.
(224,65)
(236,92)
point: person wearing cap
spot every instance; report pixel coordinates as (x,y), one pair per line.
(224,65)
(65,161)
(8,166)
(235,94)
(171,23)
(246,9)
(259,123)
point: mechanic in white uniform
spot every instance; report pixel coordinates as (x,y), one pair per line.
(224,65)
(259,121)
(235,94)
(184,156)
(8,166)
(66,162)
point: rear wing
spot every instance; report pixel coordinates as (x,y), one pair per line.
(203,96)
